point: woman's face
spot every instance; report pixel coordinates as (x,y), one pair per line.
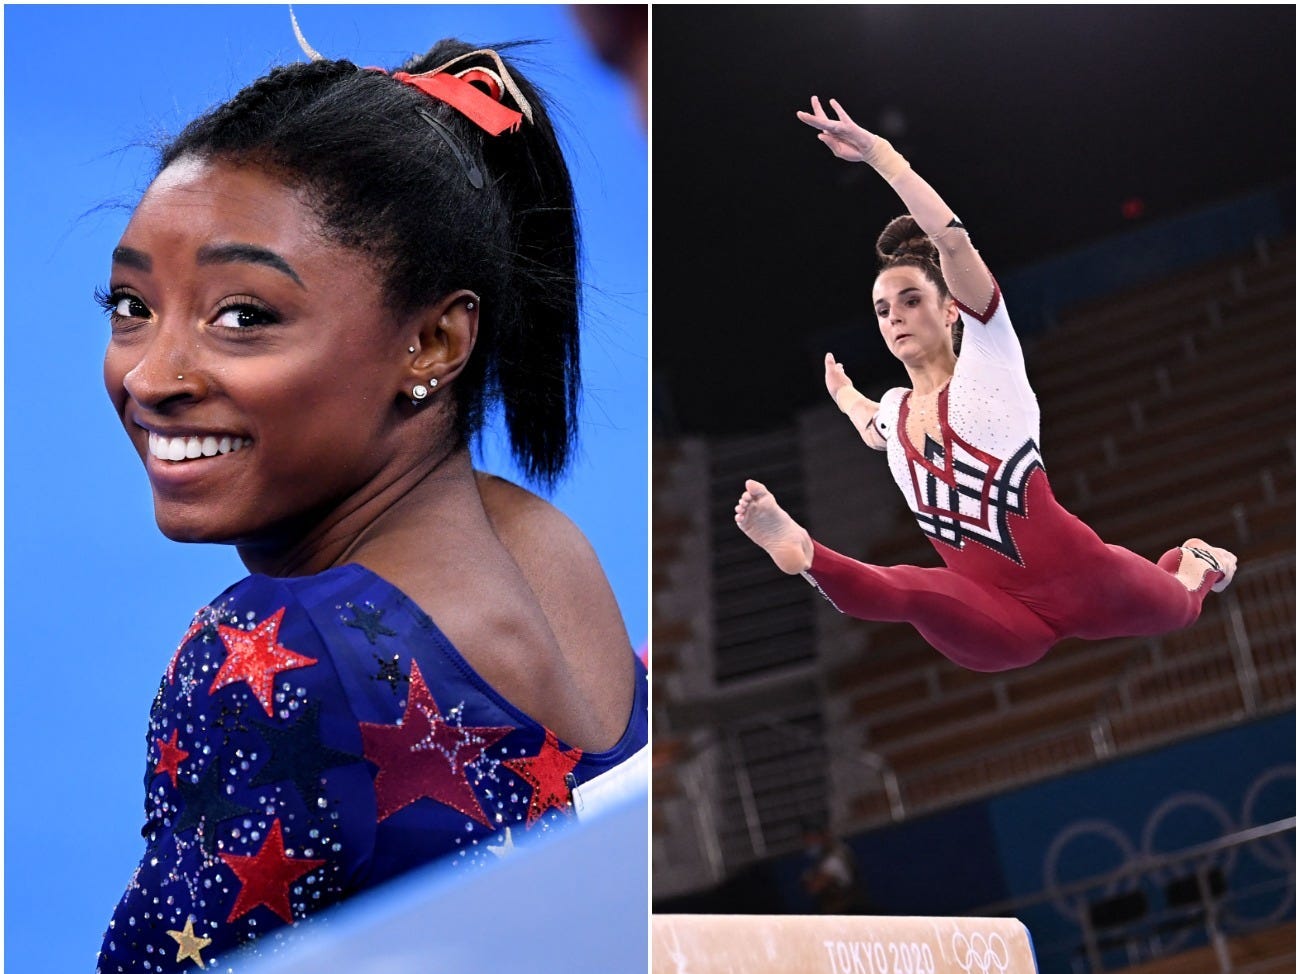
(914,320)
(251,360)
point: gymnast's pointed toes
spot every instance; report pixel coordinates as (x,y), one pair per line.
(1214,559)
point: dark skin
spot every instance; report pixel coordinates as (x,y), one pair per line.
(236,319)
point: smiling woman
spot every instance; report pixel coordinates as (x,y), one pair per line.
(218,340)
(331,281)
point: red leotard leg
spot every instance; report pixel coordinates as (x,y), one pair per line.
(1133,597)
(1076,583)
(974,625)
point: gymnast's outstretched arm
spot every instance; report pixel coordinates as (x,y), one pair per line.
(967,277)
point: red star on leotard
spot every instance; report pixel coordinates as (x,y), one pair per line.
(265,877)
(257,658)
(423,756)
(170,757)
(545,772)
(195,628)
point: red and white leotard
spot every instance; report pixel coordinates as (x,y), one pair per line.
(1021,572)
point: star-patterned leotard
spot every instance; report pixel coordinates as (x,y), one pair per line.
(1022,573)
(312,738)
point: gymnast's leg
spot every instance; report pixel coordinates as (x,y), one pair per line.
(1133,597)
(975,626)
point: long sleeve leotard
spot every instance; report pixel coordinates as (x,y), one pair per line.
(1021,572)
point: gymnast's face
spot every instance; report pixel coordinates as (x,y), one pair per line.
(915,321)
(251,360)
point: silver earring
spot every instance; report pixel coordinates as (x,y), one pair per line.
(433,383)
(411,349)
(469,305)
(419,393)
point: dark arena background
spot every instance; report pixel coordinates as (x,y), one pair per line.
(1128,173)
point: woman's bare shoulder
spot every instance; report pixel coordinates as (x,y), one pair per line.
(520,516)
(558,561)
(565,575)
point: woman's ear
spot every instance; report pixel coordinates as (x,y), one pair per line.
(440,339)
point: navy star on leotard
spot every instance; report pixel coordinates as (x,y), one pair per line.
(205,800)
(298,755)
(391,673)
(367,619)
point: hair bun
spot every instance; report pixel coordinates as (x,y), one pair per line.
(904,238)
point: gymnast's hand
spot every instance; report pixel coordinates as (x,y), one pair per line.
(847,139)
(860,410)
(836,378)
(851,142)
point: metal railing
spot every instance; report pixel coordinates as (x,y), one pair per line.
(757,805)
(1139,932)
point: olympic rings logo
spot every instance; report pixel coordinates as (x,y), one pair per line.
(978,954)
(1275,853)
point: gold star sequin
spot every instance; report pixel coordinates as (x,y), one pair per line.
(190,945)
(504,847)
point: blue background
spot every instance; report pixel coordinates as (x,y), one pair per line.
(95,598)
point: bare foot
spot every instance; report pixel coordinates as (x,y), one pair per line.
(1192,569)
(773,530)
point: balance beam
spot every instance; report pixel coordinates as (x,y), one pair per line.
(700,944)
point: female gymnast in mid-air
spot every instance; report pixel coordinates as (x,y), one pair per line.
(1022,573)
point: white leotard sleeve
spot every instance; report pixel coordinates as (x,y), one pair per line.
(990,402)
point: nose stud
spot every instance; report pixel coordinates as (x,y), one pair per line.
(179,378)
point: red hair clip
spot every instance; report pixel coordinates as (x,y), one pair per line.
(461,90)
(481,109)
